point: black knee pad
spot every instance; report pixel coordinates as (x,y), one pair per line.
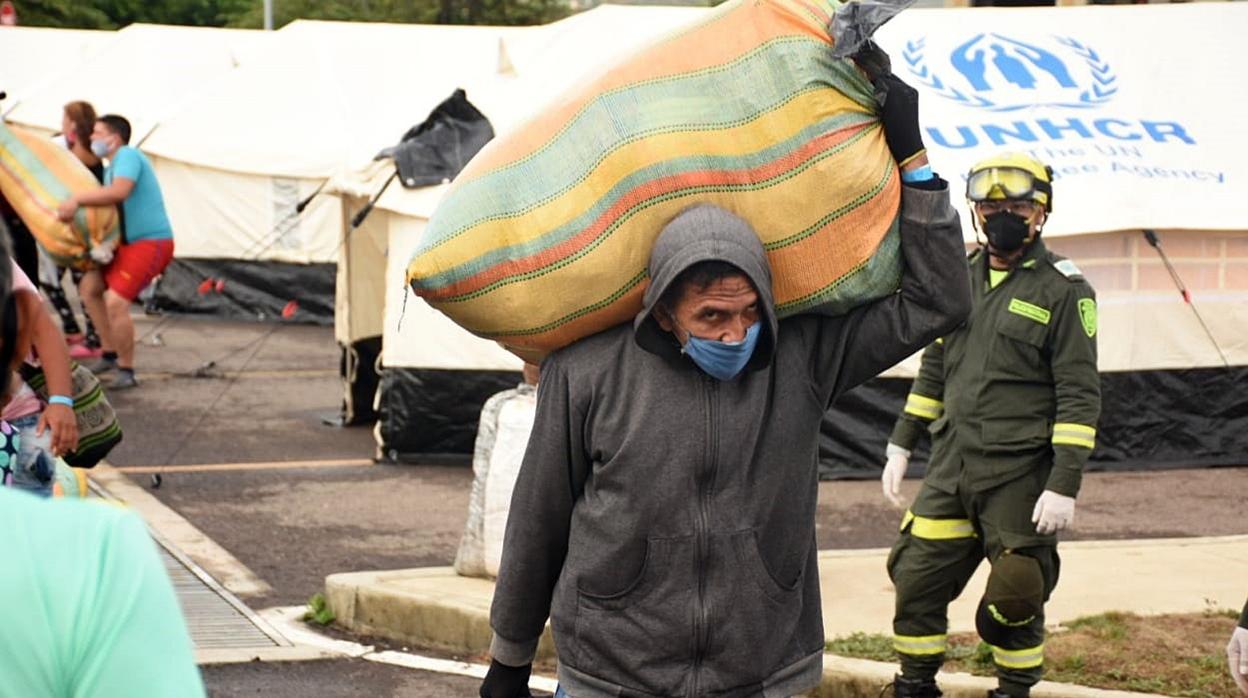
(1014,597)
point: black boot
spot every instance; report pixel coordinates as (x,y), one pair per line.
(915,688)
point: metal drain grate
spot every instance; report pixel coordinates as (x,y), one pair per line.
(215,622)
(215,618)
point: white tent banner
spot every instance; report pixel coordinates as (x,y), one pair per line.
(1132,106)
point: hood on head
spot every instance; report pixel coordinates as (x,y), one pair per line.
(698,234)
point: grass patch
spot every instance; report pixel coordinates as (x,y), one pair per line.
(864,646)
(318,611)
(1177,655)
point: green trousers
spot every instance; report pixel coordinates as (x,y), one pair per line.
(943,538)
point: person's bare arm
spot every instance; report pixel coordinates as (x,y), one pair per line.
(49,345)
(107,195)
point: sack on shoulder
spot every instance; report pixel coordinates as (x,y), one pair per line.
(98,428)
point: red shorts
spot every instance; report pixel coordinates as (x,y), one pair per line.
(135,264)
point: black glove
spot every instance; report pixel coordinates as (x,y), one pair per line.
(899,110)
(503,681)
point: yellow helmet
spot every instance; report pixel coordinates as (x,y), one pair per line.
(1011,176)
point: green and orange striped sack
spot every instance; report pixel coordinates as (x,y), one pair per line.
(544,238)
(36,175)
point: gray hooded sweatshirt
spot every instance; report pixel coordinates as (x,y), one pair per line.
(664,520)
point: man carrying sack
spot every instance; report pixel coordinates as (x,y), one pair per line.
(664,513)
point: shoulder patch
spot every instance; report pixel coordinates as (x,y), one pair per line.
(1087,316)
(1068,269)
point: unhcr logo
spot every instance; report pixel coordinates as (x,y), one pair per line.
(1001,73)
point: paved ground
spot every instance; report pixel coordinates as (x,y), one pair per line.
(272,411)
(340,678)
(295,526)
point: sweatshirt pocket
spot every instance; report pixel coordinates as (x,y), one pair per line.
(753,614)
(641,631)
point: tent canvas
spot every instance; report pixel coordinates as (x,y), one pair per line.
(30,56)
(144,72)
(320,98)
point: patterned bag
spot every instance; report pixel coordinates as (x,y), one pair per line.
(544,237)
(36,175)
(98,428)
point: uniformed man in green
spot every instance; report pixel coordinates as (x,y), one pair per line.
(1011,399)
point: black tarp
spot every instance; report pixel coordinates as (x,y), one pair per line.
(1149,419)
(250,290)
(430,415)
(435,150)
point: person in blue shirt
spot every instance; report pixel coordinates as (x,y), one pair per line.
(146,249)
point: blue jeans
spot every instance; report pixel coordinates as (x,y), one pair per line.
(560,693)
(36,466)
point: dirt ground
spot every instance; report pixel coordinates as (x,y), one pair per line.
(1175,655)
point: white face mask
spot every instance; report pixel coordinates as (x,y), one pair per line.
(99,148)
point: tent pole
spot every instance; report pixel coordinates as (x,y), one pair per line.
(268,15)
(1151,237)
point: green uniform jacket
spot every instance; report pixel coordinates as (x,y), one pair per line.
(1015,388)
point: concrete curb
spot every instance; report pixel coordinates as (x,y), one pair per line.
(411,606)
(414,606)
(845,677)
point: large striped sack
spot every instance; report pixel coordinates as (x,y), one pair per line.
(36,175)
(545,236)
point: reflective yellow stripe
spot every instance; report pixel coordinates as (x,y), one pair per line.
(1029,311)
(919,644)
(937,529)
(940,340)
(996,615)
(1070,434)
(924,407)
(1028,658)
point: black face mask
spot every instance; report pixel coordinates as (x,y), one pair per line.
(1006,232)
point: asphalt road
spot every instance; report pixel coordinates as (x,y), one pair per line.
(341,678)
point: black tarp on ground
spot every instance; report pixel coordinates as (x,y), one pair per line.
(1149,420)
(431,415)
(251,290)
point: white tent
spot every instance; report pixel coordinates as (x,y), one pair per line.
(320,98)
(1095,97)
(30,56)
(144,72)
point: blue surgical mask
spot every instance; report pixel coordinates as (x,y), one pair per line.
(99,148)
(722,360)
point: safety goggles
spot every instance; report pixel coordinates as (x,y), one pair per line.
(1006,183)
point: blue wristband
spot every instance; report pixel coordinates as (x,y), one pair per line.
(61,400)
(922,174)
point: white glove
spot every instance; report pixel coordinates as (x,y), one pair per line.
(1237,658)
(102,254)
(1054,512)
(894,472)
